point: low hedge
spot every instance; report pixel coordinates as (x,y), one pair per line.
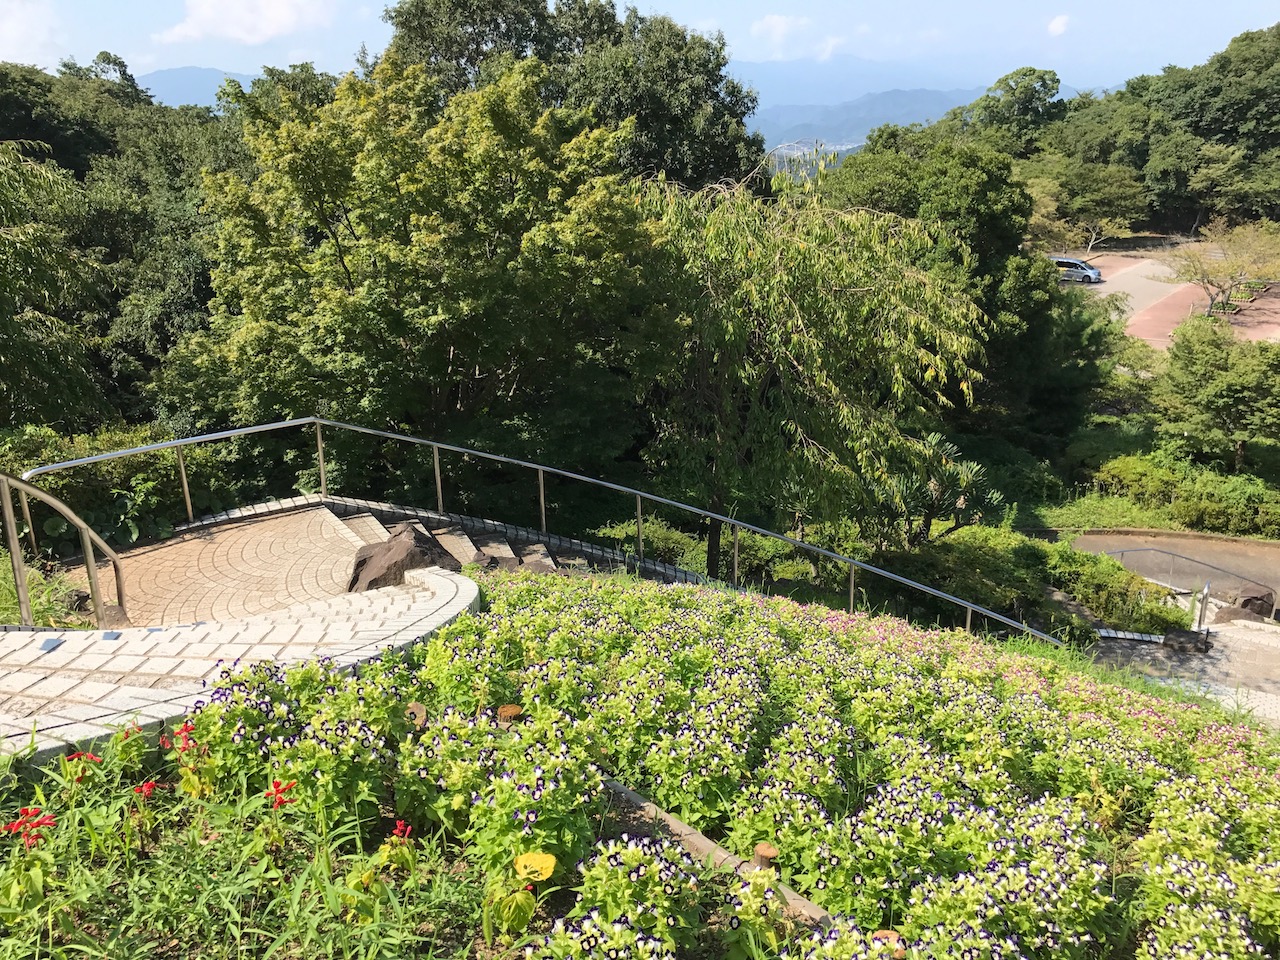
(1201,499)
(1007,571)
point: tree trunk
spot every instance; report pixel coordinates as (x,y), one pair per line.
(1240,456)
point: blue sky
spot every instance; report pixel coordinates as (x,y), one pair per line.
(1089,44)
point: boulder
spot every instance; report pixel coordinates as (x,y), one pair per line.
(1258,599)
(1187,641)
(384,564)
(1227,614)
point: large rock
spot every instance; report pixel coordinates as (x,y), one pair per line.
(384,564)
(1187,641)
(1258,599)
(1227,614)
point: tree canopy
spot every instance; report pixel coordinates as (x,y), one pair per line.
(814,340)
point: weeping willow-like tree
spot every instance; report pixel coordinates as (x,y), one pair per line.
(43,373)
(814,341)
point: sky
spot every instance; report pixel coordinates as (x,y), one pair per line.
(973,42)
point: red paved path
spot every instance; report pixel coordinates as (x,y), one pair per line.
(1157,312)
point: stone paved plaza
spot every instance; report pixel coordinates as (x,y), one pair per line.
(267,588)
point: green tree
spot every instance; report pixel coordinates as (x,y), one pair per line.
(1017,108)
(1232,99)
(812,341)
(1042,345)
(454,38)
(1218,393)
(690,116)
(1225,258)
(473,272)
(46,375)
(1091,202)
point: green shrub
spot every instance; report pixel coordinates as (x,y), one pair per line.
(1007,572)
(661,542)
(1121,598)
(757,554)
(1195,496)
(1140,479)
(123,500)
(50,598)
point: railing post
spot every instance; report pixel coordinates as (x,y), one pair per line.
(735,555)
(968,619)
(542,498)
(435,454)
(853,585)
(91,568)
(639,530)
(15,554)
(1204,608)
(186,490)
(324,484)
(31,527)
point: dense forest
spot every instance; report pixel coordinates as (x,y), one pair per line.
(549,233)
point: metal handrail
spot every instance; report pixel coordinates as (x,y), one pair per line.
(88,540)
(641,497)
(1182,556)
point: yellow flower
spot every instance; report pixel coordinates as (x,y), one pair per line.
(535,866)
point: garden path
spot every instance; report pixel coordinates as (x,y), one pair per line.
(267,587)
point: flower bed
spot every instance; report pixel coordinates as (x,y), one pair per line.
(940,796)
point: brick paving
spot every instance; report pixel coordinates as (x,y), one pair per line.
(263,584)
(240,569)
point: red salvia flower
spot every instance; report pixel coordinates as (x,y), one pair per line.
(277,793)
(184,736)
(29,823)
(146,789)
(402,830)
(85,755)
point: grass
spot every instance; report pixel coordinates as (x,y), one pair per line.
(50,598)
(1094,511)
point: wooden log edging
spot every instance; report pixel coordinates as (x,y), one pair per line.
(704,849)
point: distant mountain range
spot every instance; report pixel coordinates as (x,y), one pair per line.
(189,85)
(835,102)
(845,126)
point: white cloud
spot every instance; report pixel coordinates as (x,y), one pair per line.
(1058,25)
(247,21)
(30,33)
(777,29)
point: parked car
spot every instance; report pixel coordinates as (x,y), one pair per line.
(1070,268)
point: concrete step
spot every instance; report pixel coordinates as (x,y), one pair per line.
(456,543)
(569,559)
(367,527)
(497,552)
(535,558)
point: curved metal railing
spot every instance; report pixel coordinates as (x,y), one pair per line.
(641,498)
(88,540)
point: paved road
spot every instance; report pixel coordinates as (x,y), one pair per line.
(1146,282)
(1253,559)
(1243,667)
